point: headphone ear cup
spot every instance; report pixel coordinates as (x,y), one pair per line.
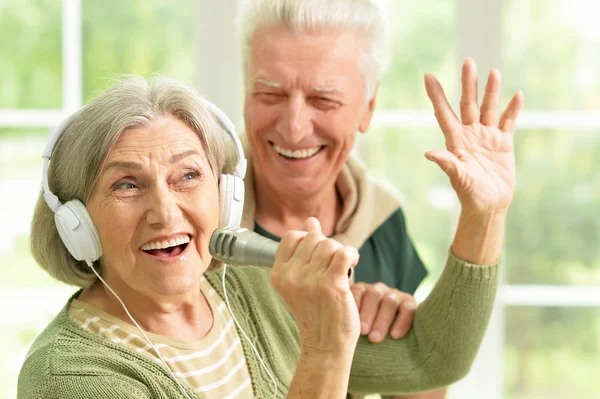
(231,190)
(77,231)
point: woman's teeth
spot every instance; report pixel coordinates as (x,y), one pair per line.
(297,154)
(165,244)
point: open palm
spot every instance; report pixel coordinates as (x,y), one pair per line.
(479,157)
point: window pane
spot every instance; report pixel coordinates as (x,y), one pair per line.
(30,44)
(20,182)
(553,227)
(551,50)
(395,156)
(552,353)
(141,37)
(422,39)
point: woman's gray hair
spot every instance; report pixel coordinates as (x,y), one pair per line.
(88,138)
(364,16)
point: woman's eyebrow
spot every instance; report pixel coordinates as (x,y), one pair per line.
(178,157)
(135,165)
(123,165)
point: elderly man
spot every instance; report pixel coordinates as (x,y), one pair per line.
(311,73)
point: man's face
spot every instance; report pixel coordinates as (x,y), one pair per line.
(305,101)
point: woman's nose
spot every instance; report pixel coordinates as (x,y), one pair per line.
(163,207)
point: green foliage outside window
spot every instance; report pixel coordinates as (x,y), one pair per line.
(553,229)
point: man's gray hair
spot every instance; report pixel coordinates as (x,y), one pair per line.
(364,16)
(88,138)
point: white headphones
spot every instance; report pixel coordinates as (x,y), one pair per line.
(75,225)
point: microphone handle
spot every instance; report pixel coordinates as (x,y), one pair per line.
(237,246)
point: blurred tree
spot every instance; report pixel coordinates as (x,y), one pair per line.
(136,36)
(30,42)
(553,228)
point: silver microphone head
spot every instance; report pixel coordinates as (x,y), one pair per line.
(237,246)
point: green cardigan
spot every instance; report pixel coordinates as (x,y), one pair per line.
(68,362)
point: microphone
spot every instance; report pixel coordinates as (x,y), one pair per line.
(237,246)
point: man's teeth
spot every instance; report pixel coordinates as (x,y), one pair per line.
(299,154)
(165,244)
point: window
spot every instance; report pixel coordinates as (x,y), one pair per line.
(543,338)
(542,341)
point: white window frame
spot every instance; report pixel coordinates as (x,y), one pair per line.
(218,74)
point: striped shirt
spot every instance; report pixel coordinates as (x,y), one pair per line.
(214,366)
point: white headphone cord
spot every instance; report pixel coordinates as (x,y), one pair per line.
(244,333)
(142,331)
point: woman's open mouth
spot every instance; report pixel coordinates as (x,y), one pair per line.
(167,249)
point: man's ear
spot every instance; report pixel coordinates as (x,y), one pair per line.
(365,121)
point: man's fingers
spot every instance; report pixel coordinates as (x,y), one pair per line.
(358,290)
(469,108)
(405,318)
(370,305)
(388,308)
(489,106)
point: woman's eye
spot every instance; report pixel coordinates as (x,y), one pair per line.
(190,176)
(125,185)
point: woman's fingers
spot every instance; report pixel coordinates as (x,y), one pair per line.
(304,248)
(509,116)
(287,247)
(343,259)
(311,224)
(446,160)
(443,112)
(489,106)
(469,107)
(314,284)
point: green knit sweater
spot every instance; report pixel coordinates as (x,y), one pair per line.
(68,362)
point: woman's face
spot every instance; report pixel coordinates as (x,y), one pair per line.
(155,206)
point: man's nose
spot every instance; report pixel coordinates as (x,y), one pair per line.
(295,122)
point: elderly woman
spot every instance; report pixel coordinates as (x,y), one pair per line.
(158,320)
